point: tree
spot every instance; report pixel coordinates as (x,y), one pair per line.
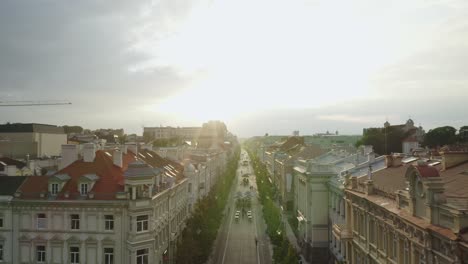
(384,140)
(72,129)
(440,136)
(463,134)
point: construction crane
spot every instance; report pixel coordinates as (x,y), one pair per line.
(34,103)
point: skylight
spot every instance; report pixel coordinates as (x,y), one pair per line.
(408,160)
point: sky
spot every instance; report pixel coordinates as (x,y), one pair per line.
(261,66)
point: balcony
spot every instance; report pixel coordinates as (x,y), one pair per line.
(341,232)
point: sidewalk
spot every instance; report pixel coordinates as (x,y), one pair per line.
(291,236)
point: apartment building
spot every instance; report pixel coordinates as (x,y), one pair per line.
(413,211)
(111,206)
(186,133)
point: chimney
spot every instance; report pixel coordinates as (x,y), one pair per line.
(453,158)
(393,160)
(388,161)
(397,160)
(369,187)
(11,170)
(132,147)
(69,155)
(124,149)
(371,157)
(31,165)
(89,152)
(117,157)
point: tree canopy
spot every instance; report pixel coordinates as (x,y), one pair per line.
(440,136)
(384,140)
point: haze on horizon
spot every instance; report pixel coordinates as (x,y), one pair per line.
(260,66)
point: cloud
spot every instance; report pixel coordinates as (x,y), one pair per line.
(308,65)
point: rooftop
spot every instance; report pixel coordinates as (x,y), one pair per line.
(10,184)
(5,161)
(30,127)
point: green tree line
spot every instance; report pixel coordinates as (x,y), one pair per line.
(202,227)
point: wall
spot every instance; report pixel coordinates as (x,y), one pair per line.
(50,144)
(18,149)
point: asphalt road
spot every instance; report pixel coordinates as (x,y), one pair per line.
(236,239)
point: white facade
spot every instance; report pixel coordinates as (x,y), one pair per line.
(121,228)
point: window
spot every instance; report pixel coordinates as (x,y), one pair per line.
(108,256)
(385,241)
(406,257)
(75,221)
(1,221)
(1,252)
(109,222)
(54,188)
(74,255)
(41,221)
(142,223)
(40,254)
(355,219)
(372,231)
(84,189)
(142,256)
(394,247)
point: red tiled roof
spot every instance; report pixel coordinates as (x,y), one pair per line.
(427,171)
(33,186)
(110,180)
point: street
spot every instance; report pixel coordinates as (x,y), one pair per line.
(236,241)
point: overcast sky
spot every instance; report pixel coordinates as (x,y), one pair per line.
(260,66)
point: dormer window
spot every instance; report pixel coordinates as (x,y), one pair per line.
(84,189)
(86,183)
(54,187)
(56,182)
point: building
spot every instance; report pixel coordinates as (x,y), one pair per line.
(411,136)
(185,133)
(36,140)
(12,167)
(283,170)
(110,206)
(358,164)
(411,211)
(212,135)
(319,199)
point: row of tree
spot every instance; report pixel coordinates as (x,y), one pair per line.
(202,227)
(283,252)
(386,141)
(446,135)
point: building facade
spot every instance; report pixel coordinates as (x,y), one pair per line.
(413,211)
(35,140)
(186,133)
(111,206)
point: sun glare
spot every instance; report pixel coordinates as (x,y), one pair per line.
(268,54)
